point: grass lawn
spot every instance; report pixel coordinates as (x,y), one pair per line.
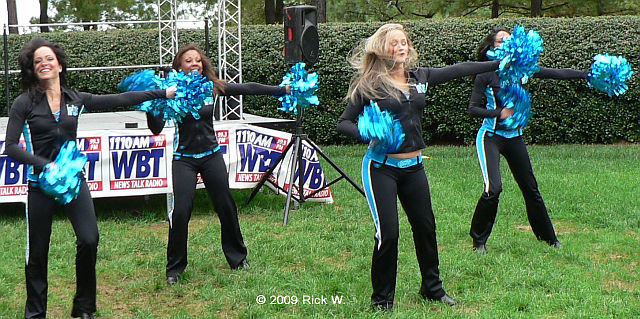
(325,250)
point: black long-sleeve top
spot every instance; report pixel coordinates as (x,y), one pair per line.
(44,136)
(409,111)
(196,138)
(487,85)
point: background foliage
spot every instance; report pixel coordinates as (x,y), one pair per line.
(565,111)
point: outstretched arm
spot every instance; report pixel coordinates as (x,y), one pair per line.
(561,74)
(252,88)
(109,101)
(448,73)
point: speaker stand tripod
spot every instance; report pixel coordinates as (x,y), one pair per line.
(295,144)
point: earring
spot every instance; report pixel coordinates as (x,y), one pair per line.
(60,71)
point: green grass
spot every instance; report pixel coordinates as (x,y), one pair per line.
(325,250)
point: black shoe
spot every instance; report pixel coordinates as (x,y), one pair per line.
(243,265)
(480,248)
(556,244)
(385,306)
(172,279)
(448,300)
(87,316)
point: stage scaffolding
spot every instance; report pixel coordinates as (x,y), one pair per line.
(229,57)
(229,48)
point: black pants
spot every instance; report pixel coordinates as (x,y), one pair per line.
(214,174)
(383,186)
(40,210)
(489,147)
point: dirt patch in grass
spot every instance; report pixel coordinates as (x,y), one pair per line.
(610,282)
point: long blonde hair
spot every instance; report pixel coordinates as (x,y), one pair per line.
(373,65)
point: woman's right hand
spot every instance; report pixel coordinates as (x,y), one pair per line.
(505,113)
(171,92)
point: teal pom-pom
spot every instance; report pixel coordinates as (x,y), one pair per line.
(303,87)
(62,180)
(609,74)
(381,128)
(518,56)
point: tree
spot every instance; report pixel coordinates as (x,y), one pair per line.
(495,9)
(105,10)
(44,15)
(12,13)
(596,8)
(536,8)
(380,10)
(273,11)
(321,6)
(270,11)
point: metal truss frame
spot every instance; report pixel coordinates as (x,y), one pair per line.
(229,57)
(167,31)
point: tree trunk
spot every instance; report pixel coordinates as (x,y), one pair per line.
(279,11)
(495,9)
(44,16)
(12,16)
(321,7)
(536,8)
(269,11)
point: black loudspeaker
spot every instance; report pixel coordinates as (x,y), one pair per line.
(301,34)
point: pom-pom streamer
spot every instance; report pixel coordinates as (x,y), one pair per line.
(303,87)
(609,74)
(381,128)
(517,98)
(62,180)
(519,56)
(191,91)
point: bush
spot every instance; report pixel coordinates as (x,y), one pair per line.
(565,111)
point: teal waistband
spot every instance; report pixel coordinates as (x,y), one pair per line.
(177,155)
(394,162)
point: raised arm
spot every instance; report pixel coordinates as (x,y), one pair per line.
(252,88)
(448,73)
(561,74)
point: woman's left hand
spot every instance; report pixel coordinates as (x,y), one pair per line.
(288,89)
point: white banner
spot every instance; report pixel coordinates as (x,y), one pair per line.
(134,162)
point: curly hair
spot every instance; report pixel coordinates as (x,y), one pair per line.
(29,80)
(207,69)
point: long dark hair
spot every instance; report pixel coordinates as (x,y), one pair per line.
(207,69)
(487,43)
(29,81)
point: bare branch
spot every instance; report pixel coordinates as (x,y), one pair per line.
(555,6)
(397,6)
(424,15)
(477,7)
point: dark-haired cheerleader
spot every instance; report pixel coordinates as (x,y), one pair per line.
(494,139)
(47,113)
(196,150)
